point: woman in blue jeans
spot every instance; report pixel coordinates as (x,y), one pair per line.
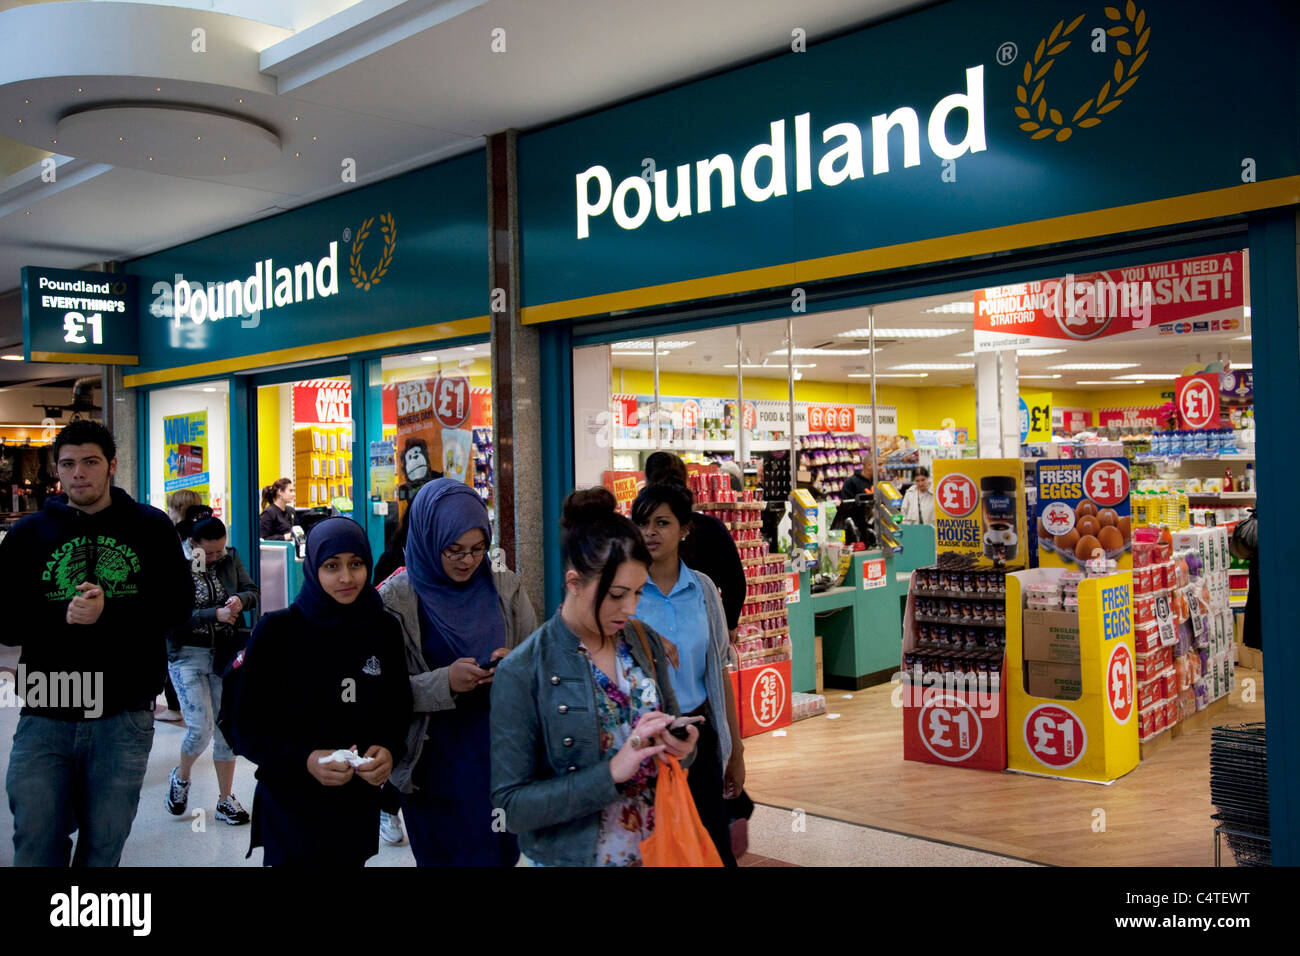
(197,657)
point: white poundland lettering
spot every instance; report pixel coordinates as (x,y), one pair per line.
(266,288)
(75,909)
(763,173)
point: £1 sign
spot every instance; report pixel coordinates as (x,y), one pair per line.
(1055,736)
(451,400)
(1198,401)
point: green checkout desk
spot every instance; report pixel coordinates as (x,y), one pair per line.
(861,628)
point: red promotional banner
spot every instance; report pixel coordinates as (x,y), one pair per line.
(1131,418)
(322,402)
(1181,297)
(1197,399)
(1076,419)
(624,485)
(831,418)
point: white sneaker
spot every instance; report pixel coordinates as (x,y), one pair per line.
(390,829)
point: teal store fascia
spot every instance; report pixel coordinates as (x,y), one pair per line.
(969,144)
(317,291)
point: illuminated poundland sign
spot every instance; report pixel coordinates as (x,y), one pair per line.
(268,287)
(635,198)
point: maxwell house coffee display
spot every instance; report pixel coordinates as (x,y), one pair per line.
(980,511)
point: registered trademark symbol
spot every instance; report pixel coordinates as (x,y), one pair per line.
(347,234)
(1007,53)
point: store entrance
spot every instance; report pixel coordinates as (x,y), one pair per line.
(303,466)
(1098,430)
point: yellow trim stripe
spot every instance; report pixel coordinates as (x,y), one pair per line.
(478,325)
(1233,200)
(78,358)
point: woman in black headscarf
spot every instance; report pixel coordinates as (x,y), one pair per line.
(342,654)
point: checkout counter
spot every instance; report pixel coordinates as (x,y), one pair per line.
(861,626)
(281,575)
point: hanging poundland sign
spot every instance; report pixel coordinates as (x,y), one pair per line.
(78,316)
(840,159)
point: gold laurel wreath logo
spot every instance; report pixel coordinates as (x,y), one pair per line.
(1131,56)
(388,229)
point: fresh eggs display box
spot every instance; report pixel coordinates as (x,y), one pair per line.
(955,719)
(1084,731)
(1083,507)
(979,511)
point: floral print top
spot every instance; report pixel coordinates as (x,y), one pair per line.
(628,821)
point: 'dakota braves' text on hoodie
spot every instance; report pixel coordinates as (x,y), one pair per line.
(130,551)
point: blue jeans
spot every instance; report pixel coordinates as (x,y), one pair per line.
(199,690)
(67,775)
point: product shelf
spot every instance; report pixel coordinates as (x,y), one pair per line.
(1223,495)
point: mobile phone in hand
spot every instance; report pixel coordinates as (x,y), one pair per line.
(678,727)
(488,663)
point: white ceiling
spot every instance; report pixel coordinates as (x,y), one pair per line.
(393,84)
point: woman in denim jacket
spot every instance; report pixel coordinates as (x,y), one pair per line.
(581,708)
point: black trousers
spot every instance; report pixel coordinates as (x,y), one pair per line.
(705,780)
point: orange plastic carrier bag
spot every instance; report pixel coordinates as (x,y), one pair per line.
(679,838)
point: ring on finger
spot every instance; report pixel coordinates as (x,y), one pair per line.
(635,741)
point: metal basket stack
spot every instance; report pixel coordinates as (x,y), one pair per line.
(1239,791)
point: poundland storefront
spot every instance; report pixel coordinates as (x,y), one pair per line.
(343,345)
(968,146)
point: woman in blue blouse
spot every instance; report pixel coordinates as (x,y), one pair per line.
(686,609)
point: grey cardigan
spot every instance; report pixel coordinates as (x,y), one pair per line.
(548,773)
(431,689)
(715,675)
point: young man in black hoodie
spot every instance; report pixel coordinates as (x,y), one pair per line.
(94,583)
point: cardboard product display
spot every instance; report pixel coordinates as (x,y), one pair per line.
(763,698)
(1083,505)
(953,719)
(1093,736)
(979,511)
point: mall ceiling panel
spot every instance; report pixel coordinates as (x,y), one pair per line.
(521,64)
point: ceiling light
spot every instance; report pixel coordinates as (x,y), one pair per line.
(1057,375)
(773,367)
(900,333)
(1094,366)
(813,351)
(1112,382)
(665,345)
(1153,376)
(622,354)
(469,348)
(209,390)
(11,358)
(890,375)
(958,308)
(933,366)
(970,354)
(1035,353)
(428,358)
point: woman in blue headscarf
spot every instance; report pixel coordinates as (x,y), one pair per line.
(456,615)
(340,655)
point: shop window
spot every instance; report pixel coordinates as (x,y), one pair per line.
(189,446)
(429,416)
(305,434)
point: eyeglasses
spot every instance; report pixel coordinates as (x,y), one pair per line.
(457,554)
